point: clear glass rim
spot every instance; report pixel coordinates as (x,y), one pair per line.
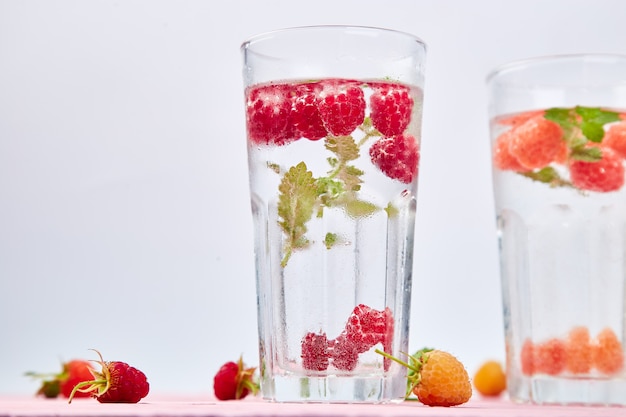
(374,29)
(519,64)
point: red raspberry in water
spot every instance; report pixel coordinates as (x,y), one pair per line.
(341,105)
(305,115)
(549,357)
(578,350)
(603,176)
(502,158)
(391,106)
(315,354)
(607,352)
(537,143)
(345,353)
(615,138)
(268,114)
(397,157)
(366,327)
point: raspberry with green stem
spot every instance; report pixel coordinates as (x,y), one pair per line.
(436,377)
(116,382)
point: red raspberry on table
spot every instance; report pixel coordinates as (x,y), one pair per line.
(390,108)
(305,115)
(537,143)
(268,114)
(397,157)
(607,352)
(604,175)
(73,372)
(315,354)
(127,384)
(615,138)
(234,381)
(117,382)
(341,105)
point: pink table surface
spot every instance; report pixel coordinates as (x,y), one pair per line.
(199,406)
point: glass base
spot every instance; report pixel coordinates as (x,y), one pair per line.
(569,391)
(334,389)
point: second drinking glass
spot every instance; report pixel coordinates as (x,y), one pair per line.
(558,130)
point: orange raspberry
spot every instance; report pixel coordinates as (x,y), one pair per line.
(615,138)
(444,380)
(490,379)
(549,357)
(527,357)
(537,143)
(502,158)
(436,377)
(607,352)
(578,351)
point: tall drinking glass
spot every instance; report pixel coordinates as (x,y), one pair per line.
(558,131)
(333,117)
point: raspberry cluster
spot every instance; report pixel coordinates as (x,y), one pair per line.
(534,144)
(365,328)
(576,354)
(280,113)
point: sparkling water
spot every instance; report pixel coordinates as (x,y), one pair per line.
(563,265)
(356,253)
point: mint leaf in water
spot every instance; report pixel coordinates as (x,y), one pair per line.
(593,121)
(345,150)
(597,115)
(586,153)
(359,208)
(564,117)
(549,176)
(330,240)
(588,121)
(296,201)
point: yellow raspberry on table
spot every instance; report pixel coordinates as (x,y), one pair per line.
(490,379)
(444,380)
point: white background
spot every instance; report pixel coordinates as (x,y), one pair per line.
(124,210)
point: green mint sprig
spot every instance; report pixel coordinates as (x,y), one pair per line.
(581,125)
(547,175)
(301,195)
(296,202)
